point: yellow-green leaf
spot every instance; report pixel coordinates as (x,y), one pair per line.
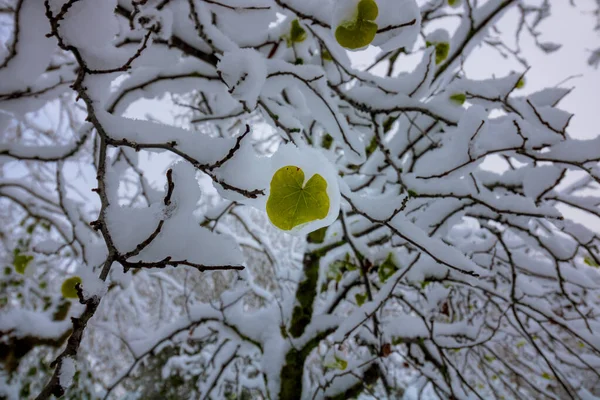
(454,3)
(68,288)
(297,32)
(441,51)
(21,261)
(317,236)
(520,83)
(326,141)
(458,98)
(590,262)
(546,375)
(387,268)
(360,298)
(341,363)
(292,203)
(360,31)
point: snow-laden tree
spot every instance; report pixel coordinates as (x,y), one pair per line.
(319,230)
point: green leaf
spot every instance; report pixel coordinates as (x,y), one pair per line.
(412,193)
(372,146)
(387,268)
(68,288)
(441,51)
(424,284)
(489,358)
(31,228)
(458,98)
(397,340)
(546,375)
(388,123)
(520,83)
(326,141)
(317,236)
(359,32)
(297,32)
(326,56)
(521,344)
(360,298)
(21,261)
(291,204)
(341,363)
(589,261)
(454,3)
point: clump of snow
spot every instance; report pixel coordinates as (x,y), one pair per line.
(244,72)
(399,24)
(33,51)
(67,372)
(90,24)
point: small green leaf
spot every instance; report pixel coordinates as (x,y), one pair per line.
(520,83)
(454,3)
(458,98)
(412,193)
(589,261)
(424,284)
(341,363)
(521,344)
(441,51)
(326,56)
(387,268)
(317,236)
(68,288)
(397,340)
(326,141)
(489,358)
(359,32)
(360,298)
(297,32)
(546,375)
(21,261)
(388,123)
(30,228)
(291,203)
(372,146)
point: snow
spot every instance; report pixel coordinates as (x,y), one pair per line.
(67,372)
(90,24)
(393,13)
(24,323)
(33,51)
(244,72)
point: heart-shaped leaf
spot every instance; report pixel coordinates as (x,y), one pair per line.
(360,31)
(68,288)
(297,33)
(291,203)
